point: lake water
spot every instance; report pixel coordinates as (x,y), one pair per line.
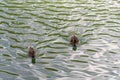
(47,26)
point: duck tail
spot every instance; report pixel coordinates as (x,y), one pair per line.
(74,47)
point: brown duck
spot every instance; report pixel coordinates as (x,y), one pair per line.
(74,41)
(31,53)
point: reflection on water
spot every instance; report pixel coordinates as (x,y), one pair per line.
(47,25)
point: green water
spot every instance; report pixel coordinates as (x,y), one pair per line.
(47,26)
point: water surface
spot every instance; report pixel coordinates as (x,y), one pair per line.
(47,26)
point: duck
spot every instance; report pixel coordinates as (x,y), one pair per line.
(74,41)
(31,54)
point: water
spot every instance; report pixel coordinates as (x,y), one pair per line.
(47,26)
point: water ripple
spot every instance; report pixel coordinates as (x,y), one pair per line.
(47,26)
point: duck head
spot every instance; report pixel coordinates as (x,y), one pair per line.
(74,47)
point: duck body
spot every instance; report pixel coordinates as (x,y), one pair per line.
(74,41)
(31,53)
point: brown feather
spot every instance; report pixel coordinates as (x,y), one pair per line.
(74,40)
(31,52)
